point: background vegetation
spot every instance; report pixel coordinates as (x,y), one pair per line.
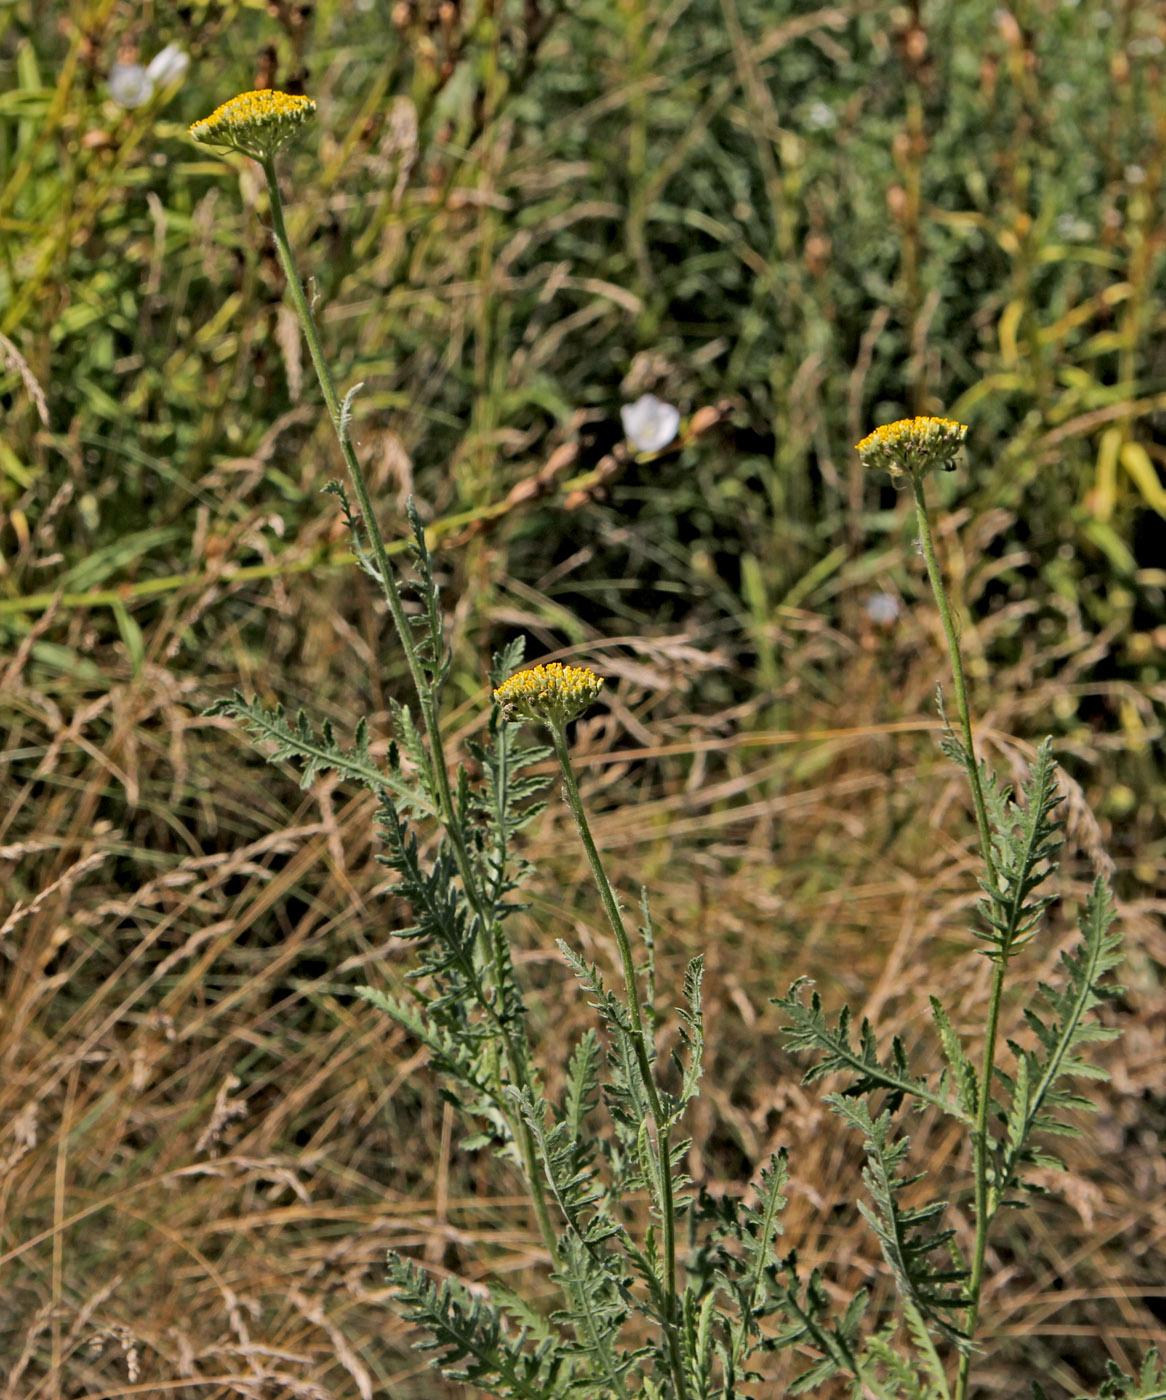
(810,218)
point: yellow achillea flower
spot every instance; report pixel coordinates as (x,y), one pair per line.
(256,123)
(913,446)
(553,693)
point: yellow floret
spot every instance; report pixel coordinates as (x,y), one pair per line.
(913,446)
(553,693)
(256,123)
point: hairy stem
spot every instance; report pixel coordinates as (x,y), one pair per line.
(516,1050)
(983,1211)
(643,1058)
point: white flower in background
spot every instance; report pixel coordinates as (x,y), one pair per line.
(130,85)
(882,609)
(821,117)
(168,67)
(649,424)
(1070,226)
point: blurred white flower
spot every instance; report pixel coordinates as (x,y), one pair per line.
(649,424)
(821,117)
(882,609)
(1070,226)
(168,67)
(129,85)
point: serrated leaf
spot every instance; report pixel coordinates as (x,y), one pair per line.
(471,1341)
(808,1030)
(963,1072)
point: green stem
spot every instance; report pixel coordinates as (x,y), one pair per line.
(328,389)
(643,1058)
(985,1211)
(957,673)
(516,1051)
(984,1208)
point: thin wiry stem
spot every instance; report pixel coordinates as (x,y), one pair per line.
(983,1212)
(643,1058)
(517,1053)
(957,672)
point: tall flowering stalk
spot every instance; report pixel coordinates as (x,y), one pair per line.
(555,694)
(260,124)
(641,1318)
(911,450)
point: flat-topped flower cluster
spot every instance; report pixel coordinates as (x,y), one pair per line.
(255,123)
(913,446)
(553,693)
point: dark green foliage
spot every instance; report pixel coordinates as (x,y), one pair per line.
(838,1340)
(314,754)
(1025,840)
(1025,837)
(508,798)
(471,1341)
(1148,1384)
(905,1234)
(355,529)
(808,1029)
(430,625)
(568,1160)
(691,1035)
(1039,1100)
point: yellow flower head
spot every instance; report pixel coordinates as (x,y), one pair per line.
(256,123)
(913,446)
(553,693)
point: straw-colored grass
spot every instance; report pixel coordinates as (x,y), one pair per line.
(210,1143)
(802,219)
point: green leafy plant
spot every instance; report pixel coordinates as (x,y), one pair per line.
(664,1290)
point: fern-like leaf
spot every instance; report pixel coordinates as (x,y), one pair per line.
(431,650)
(809,1324)
(597,1308)
(692,1037)
(756,1229)
(471,1341)
(1025,840)
(316,753)
(456,1053)
(1148,1384)
(566,1162)
(962,1071)
(508,799)
(365,561)
(906,1235)
(807,1029)
(1040,1099)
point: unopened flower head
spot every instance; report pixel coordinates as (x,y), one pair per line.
(913,446)
(256,123)
(553,693)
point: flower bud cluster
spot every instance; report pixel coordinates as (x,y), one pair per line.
(553,693)
(255,123)
(913,446)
